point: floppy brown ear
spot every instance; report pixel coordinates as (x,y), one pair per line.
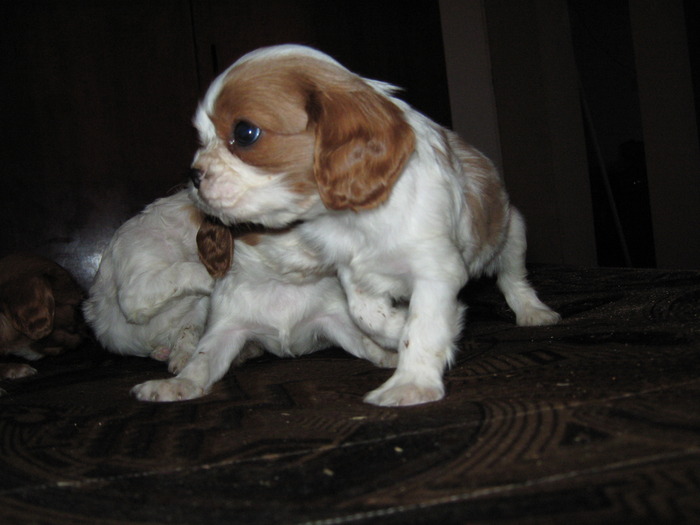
(362,145)
(215,247)
(30,305)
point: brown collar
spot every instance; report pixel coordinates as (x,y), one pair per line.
(245,228)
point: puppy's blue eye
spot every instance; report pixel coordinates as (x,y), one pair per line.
(245,134)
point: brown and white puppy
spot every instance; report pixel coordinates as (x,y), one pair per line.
(150,296)
(39,311)
(402,208)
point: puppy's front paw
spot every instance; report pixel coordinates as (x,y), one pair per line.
(398,394)
(163,390)
(537,315)
(16,371)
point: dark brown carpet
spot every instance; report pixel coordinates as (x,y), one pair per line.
(596,420)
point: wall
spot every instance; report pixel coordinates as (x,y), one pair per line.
(97,98)
(519,96)
(670,128)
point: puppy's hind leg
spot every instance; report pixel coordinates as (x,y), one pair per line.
(340,330)
(147,295)
(375,315)
(190,331)
(184,348)
(512,279)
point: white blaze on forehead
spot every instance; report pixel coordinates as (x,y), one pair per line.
(285,50)
(204,125)
(202,120)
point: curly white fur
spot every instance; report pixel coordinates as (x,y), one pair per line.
(150,296)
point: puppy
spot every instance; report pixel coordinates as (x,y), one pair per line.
(39,311)
(150,295)
(277,296)
(404,210)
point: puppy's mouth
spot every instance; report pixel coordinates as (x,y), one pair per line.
(266,224)
(236,210)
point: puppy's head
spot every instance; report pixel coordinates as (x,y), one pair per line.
(27,309)
(287,131)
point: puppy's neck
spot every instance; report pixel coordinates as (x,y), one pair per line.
(250,228)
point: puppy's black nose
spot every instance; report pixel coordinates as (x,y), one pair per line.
(196,177)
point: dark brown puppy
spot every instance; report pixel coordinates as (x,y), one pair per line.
(39,311)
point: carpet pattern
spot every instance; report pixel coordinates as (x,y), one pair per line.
(596,420)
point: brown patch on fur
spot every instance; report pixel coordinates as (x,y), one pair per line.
(215,247)
(488,204)
(271,96)
(302,183)
(487,218)
(270,93)
(196,215)
(251,239)
(362,146)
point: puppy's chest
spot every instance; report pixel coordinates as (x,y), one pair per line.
(375,261)
(386,275)
(286,265)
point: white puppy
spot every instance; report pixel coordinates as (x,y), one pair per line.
(400,206)
(150,296)
(277,296)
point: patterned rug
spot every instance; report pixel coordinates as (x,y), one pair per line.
(596,420)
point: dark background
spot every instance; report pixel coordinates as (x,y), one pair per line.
(97,99)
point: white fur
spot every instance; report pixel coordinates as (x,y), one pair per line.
(253,192)
(277,296)
(150,296)
(419,246)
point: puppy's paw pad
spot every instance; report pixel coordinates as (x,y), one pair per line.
(165,390)
(538,316)
(160,354)
(405,395)
(16,371)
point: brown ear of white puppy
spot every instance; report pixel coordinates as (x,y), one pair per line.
(362,145)
(215,247)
